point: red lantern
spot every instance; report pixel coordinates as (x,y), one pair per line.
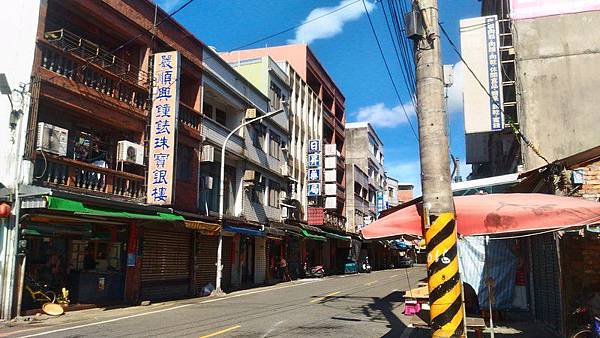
(4,210)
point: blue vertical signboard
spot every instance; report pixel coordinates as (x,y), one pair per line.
(163,131)
(314,165)
(379,201)
(494,82)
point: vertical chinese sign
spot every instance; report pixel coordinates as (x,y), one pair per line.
(314,165)
(163,129)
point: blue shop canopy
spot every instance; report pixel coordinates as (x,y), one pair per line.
(245,231)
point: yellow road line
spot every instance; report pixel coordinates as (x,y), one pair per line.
(324,297)
(222,331)
(371,283)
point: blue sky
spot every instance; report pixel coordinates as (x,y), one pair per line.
(345,45)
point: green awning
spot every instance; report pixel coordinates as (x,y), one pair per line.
(313,237)
(78,208)
(336,236)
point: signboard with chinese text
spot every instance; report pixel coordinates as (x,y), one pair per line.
(314,146)
(163,129)
(314,175)
(480,47)
(379,203)
(314,189)
(525,9)
(314,160)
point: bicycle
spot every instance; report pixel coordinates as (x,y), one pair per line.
(41,293)
(588,325)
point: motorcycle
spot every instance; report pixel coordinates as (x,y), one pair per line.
(314,272)
(365,266)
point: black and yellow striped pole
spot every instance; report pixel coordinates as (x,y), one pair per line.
(445,288)
(445,299)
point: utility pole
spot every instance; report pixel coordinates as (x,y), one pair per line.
(445,294)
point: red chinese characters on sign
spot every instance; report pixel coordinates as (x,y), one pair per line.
(165,106)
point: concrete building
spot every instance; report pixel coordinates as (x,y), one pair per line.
(391,192)
(314,90)
(88,112)
(549,63)
(364,155)
(405,192)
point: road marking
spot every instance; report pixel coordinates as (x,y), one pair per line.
(161,310)
(268,333)
(222,331)
(324,297)
(107,321)
(392,276)
(8,334)
(371,283)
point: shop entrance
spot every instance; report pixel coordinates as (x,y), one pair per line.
(247,259)
(86,259)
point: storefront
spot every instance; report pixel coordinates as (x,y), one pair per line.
(275,250)
(79,246)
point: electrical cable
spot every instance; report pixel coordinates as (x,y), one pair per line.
(506,116)
(390,73)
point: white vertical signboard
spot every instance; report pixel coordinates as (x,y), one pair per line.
(480,47)
(163,130)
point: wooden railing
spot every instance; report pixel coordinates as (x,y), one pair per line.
(189,117)
(98,78)
(51,170)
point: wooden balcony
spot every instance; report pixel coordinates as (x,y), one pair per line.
(107,78)
(60,172)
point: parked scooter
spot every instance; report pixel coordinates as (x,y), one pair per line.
(314,272)
(365,266)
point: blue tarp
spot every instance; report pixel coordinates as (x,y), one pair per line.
(245,231)
(481,258)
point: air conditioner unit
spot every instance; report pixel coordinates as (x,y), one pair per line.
(208,153)
(130,152)
(284,148)
(52,139)
(250,113)
(250,175)
(285,170)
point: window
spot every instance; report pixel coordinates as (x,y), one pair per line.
(258,136)
(207,109)
(275,96)
(185,156)
(274,191)
(257,190)
(274,145)
(221,117)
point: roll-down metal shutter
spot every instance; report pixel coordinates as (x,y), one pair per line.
(546,274)
(206,259)
(165,263)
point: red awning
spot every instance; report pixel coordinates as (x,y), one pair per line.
(495,214)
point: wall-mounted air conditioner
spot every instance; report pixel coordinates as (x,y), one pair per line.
(52,139)
(285,170)
(130,152)
(250,113)
(208,153)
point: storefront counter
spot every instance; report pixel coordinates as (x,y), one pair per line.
(96,287)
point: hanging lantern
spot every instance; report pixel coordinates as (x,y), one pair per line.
(4,210)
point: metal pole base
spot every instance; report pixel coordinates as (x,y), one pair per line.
(217,293)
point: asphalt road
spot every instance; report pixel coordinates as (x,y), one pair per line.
(364,305)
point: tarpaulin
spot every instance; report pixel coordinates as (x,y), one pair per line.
(494,214)
(481,260)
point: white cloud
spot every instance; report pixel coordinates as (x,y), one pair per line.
(332,24)
(455,93)
(381,116)
(406,172)
(168,5)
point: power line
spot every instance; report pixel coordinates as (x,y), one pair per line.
(506,116)
(293,27)
(390,73)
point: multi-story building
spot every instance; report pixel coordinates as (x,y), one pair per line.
(364,154)
(405,192)
(124,128)
(542,75)
(315,101)
(391,192)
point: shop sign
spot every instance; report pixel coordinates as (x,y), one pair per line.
(380,204)
(314,146)
(314,189)
(314,160)
(314,174)
(163,131)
